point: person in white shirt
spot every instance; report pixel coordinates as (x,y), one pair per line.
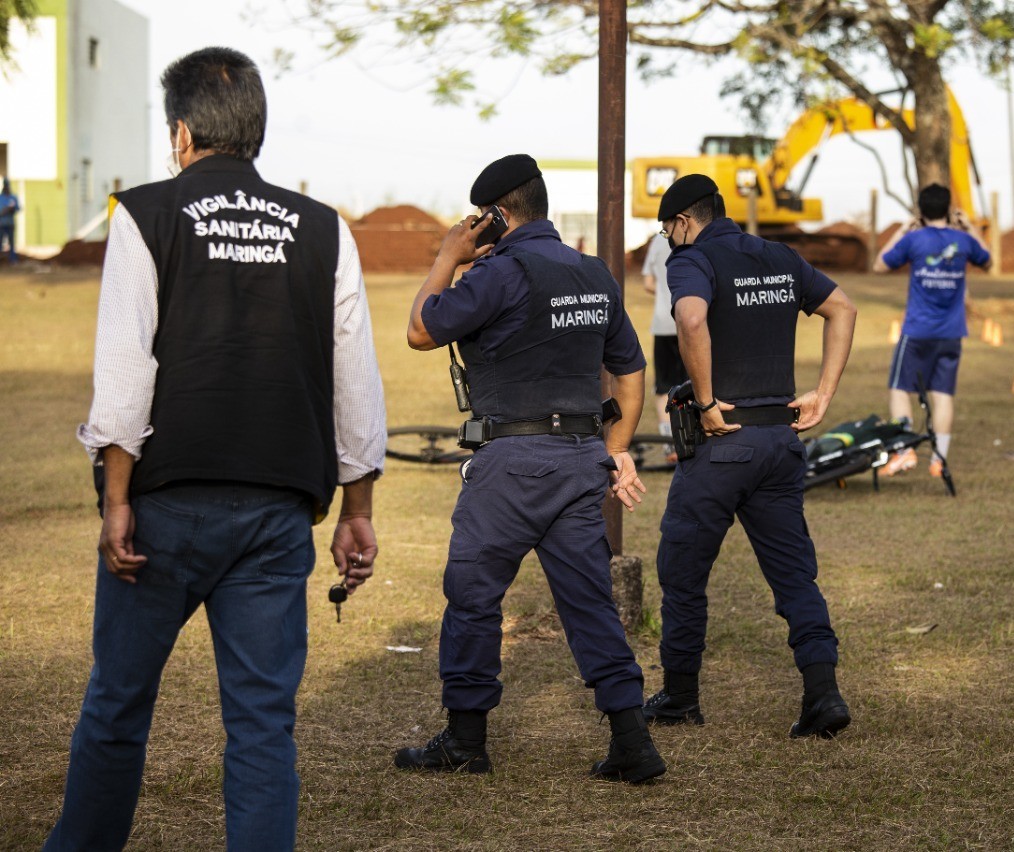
(236,386)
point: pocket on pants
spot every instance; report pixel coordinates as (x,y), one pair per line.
(735,453)
(168,537)
(287,542)
(531,466)
(678,530)
(677,549)
(461,576)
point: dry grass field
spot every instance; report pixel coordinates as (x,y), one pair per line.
(926,764)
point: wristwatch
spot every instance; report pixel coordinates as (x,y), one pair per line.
(703,408)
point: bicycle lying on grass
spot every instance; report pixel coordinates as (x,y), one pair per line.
(848,449)
(439,445)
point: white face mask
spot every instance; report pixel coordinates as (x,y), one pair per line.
(172,162)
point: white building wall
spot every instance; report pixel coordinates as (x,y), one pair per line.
(28,119)
(573,206)
(108,105)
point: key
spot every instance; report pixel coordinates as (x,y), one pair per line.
(338,595)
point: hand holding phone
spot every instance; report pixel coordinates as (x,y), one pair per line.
(494,230)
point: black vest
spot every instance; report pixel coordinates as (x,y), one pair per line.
(553,363)
(245,339)
(752,319)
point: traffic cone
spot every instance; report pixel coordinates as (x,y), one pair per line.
(894,335)
(997,339)
(987,330)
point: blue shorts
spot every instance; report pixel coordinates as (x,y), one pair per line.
(936,360)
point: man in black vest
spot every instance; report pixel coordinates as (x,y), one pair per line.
(736,300)
(535,321)
(235,386)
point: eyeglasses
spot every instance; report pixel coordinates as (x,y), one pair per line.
(668,234)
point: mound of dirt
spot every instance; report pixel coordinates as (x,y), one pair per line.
(843,229)
(885,235)
(81,253)
(398,239)
(1007,251)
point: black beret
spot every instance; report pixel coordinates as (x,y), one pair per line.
(500,177)
(683,193)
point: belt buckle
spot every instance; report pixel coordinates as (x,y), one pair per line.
(555,427)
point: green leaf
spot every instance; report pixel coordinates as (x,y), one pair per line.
(997,29)
(516,33)
(932,39)
(450,85)
(561,64)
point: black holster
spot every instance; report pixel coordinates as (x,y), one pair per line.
(687,431)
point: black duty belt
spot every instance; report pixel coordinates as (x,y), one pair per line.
(554,424)
(762,415)
(478,431)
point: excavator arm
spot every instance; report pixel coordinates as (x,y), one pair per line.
(850,115)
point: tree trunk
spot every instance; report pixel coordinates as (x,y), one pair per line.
(628,590)
(931,146)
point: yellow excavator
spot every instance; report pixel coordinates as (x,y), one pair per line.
(741,164)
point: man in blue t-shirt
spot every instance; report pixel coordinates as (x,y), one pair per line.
(930,343)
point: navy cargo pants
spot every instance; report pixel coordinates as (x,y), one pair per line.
(523,493)
(755,474)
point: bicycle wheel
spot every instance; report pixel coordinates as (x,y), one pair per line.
(425,445)
(653,453)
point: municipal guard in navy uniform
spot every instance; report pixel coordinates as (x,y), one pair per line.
(736,300)
(535,322)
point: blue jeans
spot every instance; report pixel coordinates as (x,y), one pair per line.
(7,238)
(245,552)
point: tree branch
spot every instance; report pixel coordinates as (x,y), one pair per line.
(883,169)
(635,36)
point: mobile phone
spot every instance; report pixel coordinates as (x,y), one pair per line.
(494,230)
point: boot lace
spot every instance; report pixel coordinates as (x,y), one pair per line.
(658,698)
(439,740)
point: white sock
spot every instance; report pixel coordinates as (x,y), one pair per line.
(665,428)
(943,444)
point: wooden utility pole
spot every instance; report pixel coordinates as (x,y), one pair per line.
(995,243)
(751,210)
(611,168)
(871,240)
(626,570)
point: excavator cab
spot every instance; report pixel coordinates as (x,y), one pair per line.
(758,148)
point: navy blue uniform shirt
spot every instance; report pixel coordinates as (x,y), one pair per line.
(489,303)
(690,273)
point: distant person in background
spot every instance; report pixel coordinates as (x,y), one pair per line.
(8,207)
(938,247)
(669,369)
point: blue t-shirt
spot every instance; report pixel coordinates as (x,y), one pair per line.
(690,273)
(936,285)
(8,207)
(489,303)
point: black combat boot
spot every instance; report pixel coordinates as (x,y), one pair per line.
(632,755)
(824,710)
(677,704)
(460,747)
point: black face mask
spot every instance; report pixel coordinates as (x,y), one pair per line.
(673,245)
